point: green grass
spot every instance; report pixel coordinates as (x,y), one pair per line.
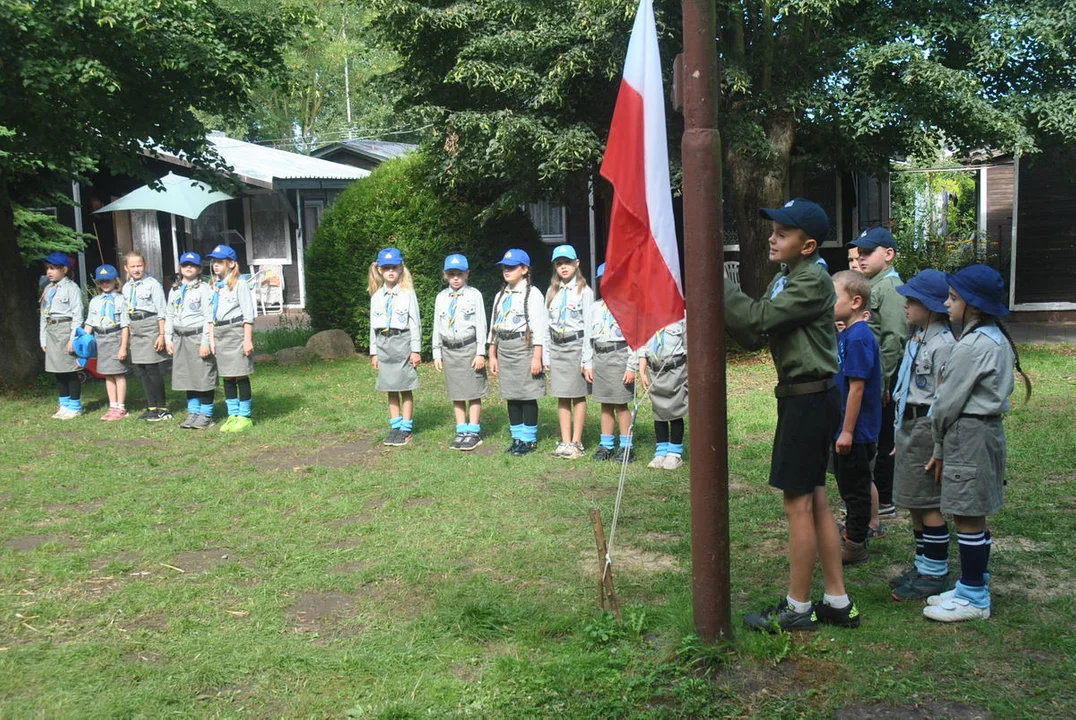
(302,570)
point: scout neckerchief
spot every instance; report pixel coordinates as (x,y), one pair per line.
(133,297)
(778,286)
(390,301)
(454,294)
(50,296)
(659,342)
(108,309)
(608,321)
(216,296)
(506,305)
(563,310)
(183,287)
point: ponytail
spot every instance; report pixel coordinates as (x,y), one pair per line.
(1016,355)
(374,281)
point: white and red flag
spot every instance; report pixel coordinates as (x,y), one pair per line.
(641,284)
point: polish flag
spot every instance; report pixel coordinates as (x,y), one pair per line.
(641,284)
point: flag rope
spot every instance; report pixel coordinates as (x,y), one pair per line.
(620,485)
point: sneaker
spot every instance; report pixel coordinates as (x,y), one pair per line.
(470,442)
(146,415)
(525,447)
(68,414)
(905,577)
(955,609)
(945,596)
(842,617)
(887,510)
(658,463)
(403,437)
(562,450)
(158,414)
(58,415)
(921,587)
(392,438)
(782,616)
(576,451)
(241,423)
(602,453)
(876,533)
(458,441)
(202,422)
(618,456)
(188,422)
(673,461)
(226,426)
(511,449)
(853,553)
(111,414)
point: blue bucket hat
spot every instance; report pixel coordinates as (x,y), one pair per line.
(58,258)
(455,261)
(875,237)
(515,257)
(801,213)
(600,271)
(930,287)
(389,256)
(982,287)
(565,251)
(190,258)
(105,272)
(223,252)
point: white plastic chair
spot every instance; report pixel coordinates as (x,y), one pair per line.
(732,270)
(271,288)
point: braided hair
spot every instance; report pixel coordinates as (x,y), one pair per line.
(526,310)
(1016,354)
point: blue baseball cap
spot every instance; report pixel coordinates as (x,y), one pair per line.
(600,271)
(455,261)
(565,251)
(58,258)
(105,272)
(930,287)
(875,237)
(223,252)
(515,257)
(981,286)
(803,214)
(190,258)
(389,256)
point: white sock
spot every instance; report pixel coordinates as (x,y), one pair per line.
(837,602)
(800,607)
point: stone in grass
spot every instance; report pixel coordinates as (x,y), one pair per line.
(262,358)
(331,345)
(294,356)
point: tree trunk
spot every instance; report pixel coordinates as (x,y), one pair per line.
(21,359)
(756,182)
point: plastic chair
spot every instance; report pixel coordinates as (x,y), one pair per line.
(732,270)
(271,288)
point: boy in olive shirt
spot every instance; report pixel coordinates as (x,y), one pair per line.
(796,315)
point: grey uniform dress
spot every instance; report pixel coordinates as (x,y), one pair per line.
(666,366)
(608,355)
(395,333)
(459,336)
(106,317)
(186,329)
(146,306)
(973,393)
(232,311)
(925,354)
(61,315)
(568,309)
(509,335)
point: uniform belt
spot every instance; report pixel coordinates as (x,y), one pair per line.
(671,364)
(457,344)
(106,331)
(608,347)
(140,315)
(564,339)
(808,387)
(391,331)
(223,323)
(509,335)
(57,321)
(189,332)
(976,416)
(915,411)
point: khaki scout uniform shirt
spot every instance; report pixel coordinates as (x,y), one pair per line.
(463,319)
(603,328)
(395,309)
(190,306)
(887,321)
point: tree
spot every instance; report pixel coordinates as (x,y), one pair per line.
(83,83)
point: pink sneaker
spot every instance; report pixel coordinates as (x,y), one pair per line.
(114,414)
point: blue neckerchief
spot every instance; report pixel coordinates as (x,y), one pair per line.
(109,308)
(506,305)
(133,297)
(904,377)
(659,341)
(390,301)
(563,307)
(215,302)
(822,261)
(778,286)
(48,300)
(991,331)
(452,306)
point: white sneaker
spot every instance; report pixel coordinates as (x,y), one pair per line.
(563,450)
(942,598)
(955,609)
(575,451)
(658,463)
(673,461)
(68,414)
(59,414)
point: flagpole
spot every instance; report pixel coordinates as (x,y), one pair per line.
(704,260)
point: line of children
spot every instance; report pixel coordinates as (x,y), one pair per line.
(609,365)
(187,332)
(568,301)
(107,320)
(146,308)
(395,340)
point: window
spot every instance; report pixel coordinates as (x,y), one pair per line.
(548,220)
(208,230)
(270,231)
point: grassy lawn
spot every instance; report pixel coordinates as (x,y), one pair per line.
(303,570)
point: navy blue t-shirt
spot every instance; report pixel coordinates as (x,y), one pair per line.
(859,357)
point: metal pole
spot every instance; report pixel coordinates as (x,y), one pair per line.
(703,250)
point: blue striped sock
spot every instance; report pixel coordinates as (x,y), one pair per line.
(517,431)
(606,441)
(233,406)
(974,557)
(461,428)
(194,406)
(206,409)
(662,449)
(75,404)
(676,448)
(530,433)
(65,401)
(407,425)
(473,428)
(244,408)
(625,441)
(394,423)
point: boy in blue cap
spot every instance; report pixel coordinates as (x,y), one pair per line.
(796,315)
(61,315)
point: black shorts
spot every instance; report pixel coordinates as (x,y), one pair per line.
(806,426)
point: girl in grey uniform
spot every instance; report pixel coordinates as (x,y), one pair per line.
(927,351)
(231,337)
(61,315)
(518,338)
(969,440)
(663,372)
(107,319)
(146,307)
(395,340)
(459,350)
(609,364)
(568,303)
(186,329)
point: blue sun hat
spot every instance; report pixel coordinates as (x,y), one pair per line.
(930,287)
(801,213)
(515,257)
(981,287)
(223,252)
(190,258)
(565,251)
(600,271)
(105,272)
(389,256)
(58,258)
(456,261)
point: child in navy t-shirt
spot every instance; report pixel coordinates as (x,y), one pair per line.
(860,383)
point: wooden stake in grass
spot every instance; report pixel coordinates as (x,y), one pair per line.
(606,592)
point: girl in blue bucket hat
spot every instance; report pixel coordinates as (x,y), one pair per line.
(968,459)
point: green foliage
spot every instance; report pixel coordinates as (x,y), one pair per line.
(934,220)
(394,206)
(39,234)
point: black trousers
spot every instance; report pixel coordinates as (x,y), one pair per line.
(853,473)
(884,464)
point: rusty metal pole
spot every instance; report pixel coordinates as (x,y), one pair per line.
(704,258)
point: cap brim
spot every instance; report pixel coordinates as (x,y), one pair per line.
(779,215)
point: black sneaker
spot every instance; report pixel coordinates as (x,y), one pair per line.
(458,442)
(618,456)
(887,510)
(603,453)
(843,617)
(511,449)
(905,577)
(403,437)
(393,438)
(782,616)
(470,442)
(158,414)
(188,422)
(147,414)
(525,447)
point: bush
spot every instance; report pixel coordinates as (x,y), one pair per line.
(395,207)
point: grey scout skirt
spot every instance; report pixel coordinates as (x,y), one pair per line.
(974,471)
(57,359)
(514,371)
(108,347)
(609,387)
(144,333)
(565,378)
(190,371)
(913,485)
(231,362)
(668,392)
(394,370)
(462,381)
